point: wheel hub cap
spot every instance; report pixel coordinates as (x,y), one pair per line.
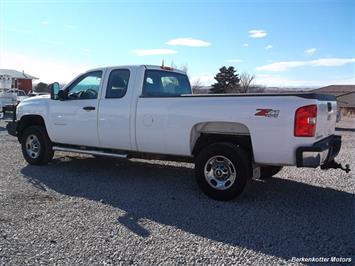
(33,146)
(220,172)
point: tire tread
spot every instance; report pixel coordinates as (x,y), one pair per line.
(242,164)
(46,145)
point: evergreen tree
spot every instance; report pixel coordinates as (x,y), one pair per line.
(227,81)
(41,87)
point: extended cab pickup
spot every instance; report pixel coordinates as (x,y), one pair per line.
(150,112)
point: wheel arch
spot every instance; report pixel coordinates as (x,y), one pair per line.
(29,120)
(206,133)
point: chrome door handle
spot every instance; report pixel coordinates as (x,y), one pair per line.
(89,108)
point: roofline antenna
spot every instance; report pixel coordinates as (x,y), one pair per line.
(162,63)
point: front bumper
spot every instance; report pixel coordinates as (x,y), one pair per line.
(12,128)
(9,107)
(320,153)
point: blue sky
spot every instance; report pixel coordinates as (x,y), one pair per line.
(284,43)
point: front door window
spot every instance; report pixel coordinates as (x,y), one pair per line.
(86,86)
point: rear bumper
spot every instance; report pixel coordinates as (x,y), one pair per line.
(320,153)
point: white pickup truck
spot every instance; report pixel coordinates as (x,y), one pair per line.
(149,112)
(8,99)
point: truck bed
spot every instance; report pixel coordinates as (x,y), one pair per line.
(316,96)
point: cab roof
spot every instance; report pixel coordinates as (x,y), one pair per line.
(151,67)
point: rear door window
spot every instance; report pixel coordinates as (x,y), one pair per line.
(159,83)
(117,83)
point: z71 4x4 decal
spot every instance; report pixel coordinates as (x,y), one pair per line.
(267,113)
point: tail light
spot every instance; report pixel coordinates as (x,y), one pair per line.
(305,121)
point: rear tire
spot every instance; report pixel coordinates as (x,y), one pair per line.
(222,170)
(36,145)
(268,171)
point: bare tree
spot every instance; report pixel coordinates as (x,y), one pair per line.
(197,86)
(172,64)
(183,67)
(246,80)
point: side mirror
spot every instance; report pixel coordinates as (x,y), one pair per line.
(54,90)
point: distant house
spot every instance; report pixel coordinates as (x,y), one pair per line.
(346,104)
(16,80)
(345,95)
(201,90)
(336,89)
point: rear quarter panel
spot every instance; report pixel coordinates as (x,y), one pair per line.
(163,125)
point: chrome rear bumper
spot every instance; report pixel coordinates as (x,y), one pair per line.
(320,153)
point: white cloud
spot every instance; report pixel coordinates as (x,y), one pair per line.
(269,46)
(344,81)
(206,79)
(257,33)
(281,81)
(310,51)
(46,69)
(144,52)
(188,42)
(324,62)
(45,22)
(234,60)
(280,66)
(245,44)
(332,61)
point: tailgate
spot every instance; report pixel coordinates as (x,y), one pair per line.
(326,118)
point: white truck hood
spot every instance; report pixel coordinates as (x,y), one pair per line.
(33,105)
(36,98)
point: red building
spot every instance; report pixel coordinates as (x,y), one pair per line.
(19,80)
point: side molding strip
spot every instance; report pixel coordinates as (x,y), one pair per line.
(101,153)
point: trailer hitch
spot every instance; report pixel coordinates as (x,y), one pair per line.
(334,165)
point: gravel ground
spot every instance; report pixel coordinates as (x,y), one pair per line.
(80,210)
(347,124)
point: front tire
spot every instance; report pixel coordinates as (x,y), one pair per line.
(222,170)
(36,145)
